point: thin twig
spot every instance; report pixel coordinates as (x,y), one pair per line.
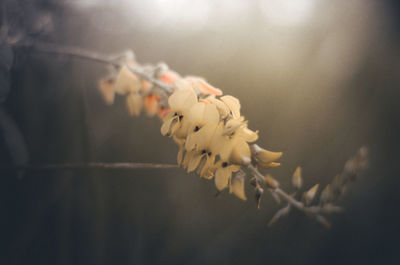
(93,165)
(290,199)
(43,47)
(50,48)
(151,79)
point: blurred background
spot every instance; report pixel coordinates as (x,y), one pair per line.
(319,79)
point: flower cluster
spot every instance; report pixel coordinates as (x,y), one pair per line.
(214,139)
(212,135)
(138,93)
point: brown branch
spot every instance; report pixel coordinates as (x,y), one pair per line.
(94,165)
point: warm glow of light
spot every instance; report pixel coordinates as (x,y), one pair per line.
(192,14)
(287,12)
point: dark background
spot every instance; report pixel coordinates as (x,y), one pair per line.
(317,89)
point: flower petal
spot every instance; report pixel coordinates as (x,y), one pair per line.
(146,85)
(247,134)
(196,115)
(211,115)
(222,177)
(182,99)
(151,104)
(162,112)
(134,103)
(207,169)
(200,139)
(233,104)
(237,187)
(187,159)
(180,155)
(264,156)
(240,153)
(166,126)
(232,126)
(169,77)
(220,144)
(194,162)
(221,106)
(268,165)
(203,86)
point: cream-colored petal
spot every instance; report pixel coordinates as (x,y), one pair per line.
(240,153)
(221,106)
(194,162)
(196,115)
(211,115)
(209,174)
(178,141)
(237,187)
(180,155)
(218,141)
(168,116)
(187,159)
(126,82)
(134,103)
(166,126)
(207,169)
(202,86)
(265,156)
(175,126)
(220,144)
(222,177)
(182,131)
(232,126)
(247,134)
(182,84)
(169,77)
(234,168)
(181,99)
(297,180)
(268,165)
(201,139)
(225,152)
(233,104)
(234,123)
(190,142)
(201,165)
(181,144)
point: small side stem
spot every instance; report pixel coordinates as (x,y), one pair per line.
(289,199)
(51,48)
